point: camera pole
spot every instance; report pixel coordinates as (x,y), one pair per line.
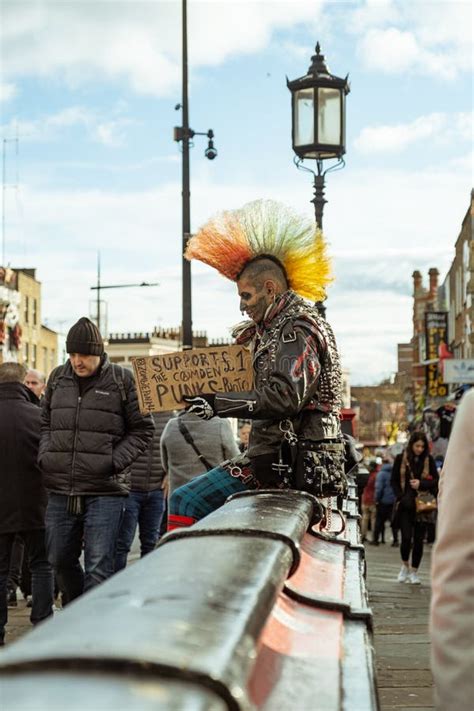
(187,324)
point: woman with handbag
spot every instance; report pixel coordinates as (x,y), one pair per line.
(415,484)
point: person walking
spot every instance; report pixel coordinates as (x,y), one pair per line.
(19,575)
(452,570)
(35,380)
(191,446)
(91,432)
(414,470)
(368,504)
(384,501)
(276,258)
(22,493)
(146,503)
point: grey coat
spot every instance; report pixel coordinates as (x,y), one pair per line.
(213,438)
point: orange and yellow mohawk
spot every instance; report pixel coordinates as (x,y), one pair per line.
(229,241)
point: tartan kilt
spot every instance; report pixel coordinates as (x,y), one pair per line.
(206,493)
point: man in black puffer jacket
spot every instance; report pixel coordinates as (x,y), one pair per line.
(91,432)
(146,503)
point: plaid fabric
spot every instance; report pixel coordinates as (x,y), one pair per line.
(204,494)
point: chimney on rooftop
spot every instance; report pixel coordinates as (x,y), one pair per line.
(433,273)
(417,281)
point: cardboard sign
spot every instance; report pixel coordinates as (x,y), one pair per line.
(163,380)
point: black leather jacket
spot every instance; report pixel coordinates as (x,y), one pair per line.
(89,441)
(296,376)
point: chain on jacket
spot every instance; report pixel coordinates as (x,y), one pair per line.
(297,376)
(330,375)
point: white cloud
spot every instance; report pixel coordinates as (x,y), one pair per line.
(390,50)
(396,137)
(386,229)
(8,91)
(373,13)
(136,41)
(429,38)
(110,133)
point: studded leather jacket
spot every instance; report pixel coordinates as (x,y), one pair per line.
(297,376)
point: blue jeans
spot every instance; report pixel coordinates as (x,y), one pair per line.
(96,530)
(145,509)
(41,575)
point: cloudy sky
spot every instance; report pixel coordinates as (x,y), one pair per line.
(90,88)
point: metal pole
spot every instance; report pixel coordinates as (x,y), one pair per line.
(98,290)
(3,199)
(318,200)
(187,328)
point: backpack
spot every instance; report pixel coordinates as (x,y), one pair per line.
(117,375)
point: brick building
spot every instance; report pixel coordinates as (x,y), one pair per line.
(458,291)
(380,413)
(452,303)
(23,338)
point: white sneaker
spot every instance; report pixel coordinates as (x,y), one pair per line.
(414,579)
(403,575)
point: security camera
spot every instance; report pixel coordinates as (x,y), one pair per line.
(211,151)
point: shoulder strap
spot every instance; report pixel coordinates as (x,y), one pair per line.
(59,372)
(188,437)
(118,380)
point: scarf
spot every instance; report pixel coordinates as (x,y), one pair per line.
(405,465)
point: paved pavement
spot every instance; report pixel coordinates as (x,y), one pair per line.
(19,617)
(402,644)
(401,630)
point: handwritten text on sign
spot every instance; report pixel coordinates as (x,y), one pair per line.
(163,380)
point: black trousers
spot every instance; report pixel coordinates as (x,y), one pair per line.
(16,563)
(384,514)
(413,533)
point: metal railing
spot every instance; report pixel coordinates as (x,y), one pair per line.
(251,608)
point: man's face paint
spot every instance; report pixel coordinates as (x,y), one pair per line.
(254,303)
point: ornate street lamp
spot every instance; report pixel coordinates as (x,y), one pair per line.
(319,122)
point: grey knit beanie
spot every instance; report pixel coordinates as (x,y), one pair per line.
(84,337)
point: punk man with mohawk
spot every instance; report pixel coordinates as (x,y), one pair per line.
(277,260)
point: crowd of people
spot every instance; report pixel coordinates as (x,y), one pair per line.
(88,467)
(83,468)
(394,489)
(402,489)
(428,487)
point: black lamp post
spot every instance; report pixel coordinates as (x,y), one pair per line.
(185,134)
(319,122)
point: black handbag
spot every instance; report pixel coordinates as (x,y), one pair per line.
(320,468)
(316,467)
